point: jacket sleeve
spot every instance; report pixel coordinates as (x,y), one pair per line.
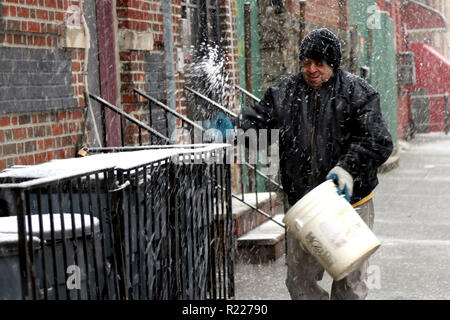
(259,116)
(370,142)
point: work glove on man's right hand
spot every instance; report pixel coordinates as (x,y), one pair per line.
(343,180)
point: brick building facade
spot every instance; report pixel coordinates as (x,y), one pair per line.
(41,88)
(44,70)
(54,51)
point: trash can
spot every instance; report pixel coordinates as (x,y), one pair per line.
(77,260)
(10,266)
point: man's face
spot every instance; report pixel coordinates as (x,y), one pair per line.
(315,72)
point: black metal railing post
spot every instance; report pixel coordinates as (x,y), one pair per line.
(230,231)
(24,255)
(117,225)
(174,236)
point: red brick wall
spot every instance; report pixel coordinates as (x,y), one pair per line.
(28,138)
(332,14)
(33,22)
(132,76)
(143,17)
(230,43)
(134,15)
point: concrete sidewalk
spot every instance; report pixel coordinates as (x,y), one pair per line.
(412,221)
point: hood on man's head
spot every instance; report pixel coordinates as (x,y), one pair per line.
(322,45)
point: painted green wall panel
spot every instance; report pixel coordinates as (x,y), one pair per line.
(359,14)
(377,51)
(384,70)
(256,60)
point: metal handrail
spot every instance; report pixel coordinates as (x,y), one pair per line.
(166,108)
(442,95)
(276,184)
(264,176)
(128,117)
(247,93)
(258,210)
(190,122)
(222,108)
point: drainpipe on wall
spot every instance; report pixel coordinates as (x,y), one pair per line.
(302,20)
(166,9)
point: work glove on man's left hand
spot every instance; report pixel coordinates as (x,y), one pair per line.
(343,180)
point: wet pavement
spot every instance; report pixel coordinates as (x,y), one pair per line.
(412,221)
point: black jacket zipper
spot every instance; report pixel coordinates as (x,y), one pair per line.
(313,131)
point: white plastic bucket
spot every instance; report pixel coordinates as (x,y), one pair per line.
(331,230)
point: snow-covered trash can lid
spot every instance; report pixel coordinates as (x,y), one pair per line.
(9,225)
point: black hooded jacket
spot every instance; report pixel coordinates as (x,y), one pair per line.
(340,124)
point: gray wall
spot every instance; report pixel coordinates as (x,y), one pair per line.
(35,79)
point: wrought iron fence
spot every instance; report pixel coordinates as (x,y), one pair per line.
(148,224)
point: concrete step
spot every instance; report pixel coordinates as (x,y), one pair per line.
(262,244)
(245,218)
